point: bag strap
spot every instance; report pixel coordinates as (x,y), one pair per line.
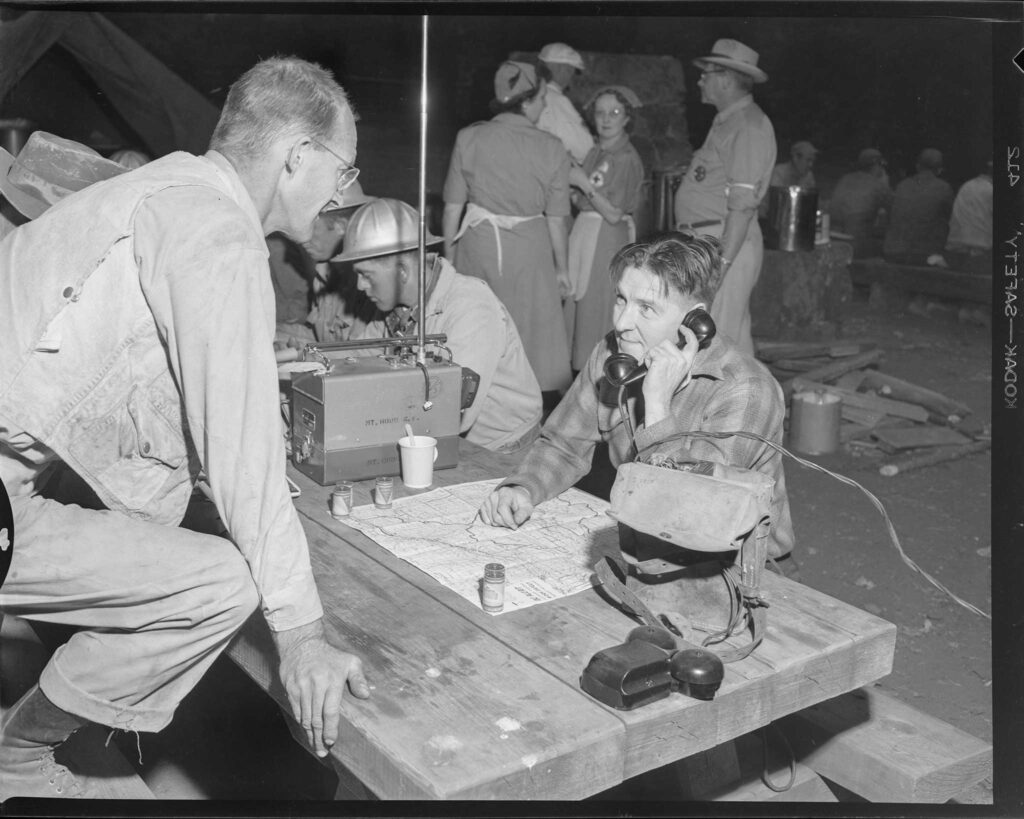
(621,594)
(750,605)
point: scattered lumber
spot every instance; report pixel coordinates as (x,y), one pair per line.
(885,750)
(865,400)
(851,381)
(934,281)
(832,371)
(921,436)
(892,387)
(937,456)
(859,415)
(772,350)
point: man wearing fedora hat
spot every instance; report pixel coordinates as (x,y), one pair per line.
(727,178)
(381,244)
(135,320)
(560,64)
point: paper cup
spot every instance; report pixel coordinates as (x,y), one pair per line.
(418,455)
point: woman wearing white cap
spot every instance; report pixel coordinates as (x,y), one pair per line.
(607,191)
(513,180)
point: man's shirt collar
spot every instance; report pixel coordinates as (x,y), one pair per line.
(732,108)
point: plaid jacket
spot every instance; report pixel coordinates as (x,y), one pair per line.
(729,391)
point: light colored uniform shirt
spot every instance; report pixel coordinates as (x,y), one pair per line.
(483,337)
(971,222)
(732,169)
(561,118)
(193,274)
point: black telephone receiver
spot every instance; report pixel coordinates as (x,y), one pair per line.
(621,368)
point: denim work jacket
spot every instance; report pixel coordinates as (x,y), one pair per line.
(136,329)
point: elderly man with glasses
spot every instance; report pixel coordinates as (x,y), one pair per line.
(727,178)
(136,321)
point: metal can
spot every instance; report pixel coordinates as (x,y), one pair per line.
(383,490)
(493,591)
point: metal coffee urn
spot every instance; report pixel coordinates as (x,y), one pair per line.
(792,217)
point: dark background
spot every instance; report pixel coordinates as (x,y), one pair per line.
(899,81)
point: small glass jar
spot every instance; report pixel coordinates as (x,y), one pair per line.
(341,499)
(493,591)
(383,491)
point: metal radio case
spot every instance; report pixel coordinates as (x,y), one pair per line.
(346,422)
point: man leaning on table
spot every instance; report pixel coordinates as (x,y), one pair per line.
(382,246)
(727,179)
(137,317)
(715,389)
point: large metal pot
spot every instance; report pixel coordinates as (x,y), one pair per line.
(14,133)
(792,214)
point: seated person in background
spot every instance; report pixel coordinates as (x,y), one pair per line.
(860,203)
(334,290)
(969,246)
(300,273)
(382,244)
(920,214)
(797,171)
(718,388)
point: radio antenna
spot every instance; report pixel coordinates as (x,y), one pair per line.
(421,354)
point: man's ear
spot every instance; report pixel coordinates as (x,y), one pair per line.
(294,158)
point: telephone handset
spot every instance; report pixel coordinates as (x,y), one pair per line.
(621,368)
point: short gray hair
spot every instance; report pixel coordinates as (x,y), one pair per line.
(277,97)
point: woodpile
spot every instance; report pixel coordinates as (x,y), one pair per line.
(910,425)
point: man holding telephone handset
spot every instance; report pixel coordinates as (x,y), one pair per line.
(663,287)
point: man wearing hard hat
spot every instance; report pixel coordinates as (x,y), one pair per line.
(727,179)
(559,65)
(382,245)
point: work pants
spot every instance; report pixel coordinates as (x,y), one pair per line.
(731,307)
(155,605)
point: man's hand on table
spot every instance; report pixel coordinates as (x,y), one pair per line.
(314,674)
(508,506)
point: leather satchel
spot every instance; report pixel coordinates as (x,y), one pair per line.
(693,537)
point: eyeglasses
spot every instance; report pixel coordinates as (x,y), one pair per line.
(706,71)
(346,175)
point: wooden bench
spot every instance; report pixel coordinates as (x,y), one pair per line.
(885,750)
(931,281)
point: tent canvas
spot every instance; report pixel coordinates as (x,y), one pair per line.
(165,111)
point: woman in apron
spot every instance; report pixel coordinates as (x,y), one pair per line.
(607,191)
(513,180)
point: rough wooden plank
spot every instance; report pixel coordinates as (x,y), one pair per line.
(888,386)
(853,432)
(772,350)
(861,416)
(865,400)
(832,371)
(851,381)
(935,281)
(935,456)
(920,437)
(887,751)
(453,712)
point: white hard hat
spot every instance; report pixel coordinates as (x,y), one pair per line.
(380,228)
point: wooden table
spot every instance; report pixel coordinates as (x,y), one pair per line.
(466,705)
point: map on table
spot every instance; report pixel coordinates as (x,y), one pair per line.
(550,556)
